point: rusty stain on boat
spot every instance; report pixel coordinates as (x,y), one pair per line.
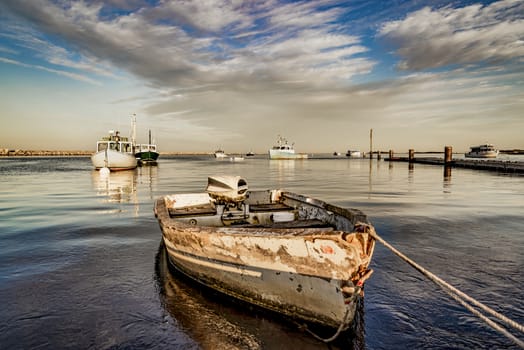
(283,251)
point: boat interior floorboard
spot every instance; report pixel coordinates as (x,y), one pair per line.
(309,223)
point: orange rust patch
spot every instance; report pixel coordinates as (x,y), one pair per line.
(327,249)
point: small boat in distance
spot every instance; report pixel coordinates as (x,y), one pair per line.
(482,151)
(292,254)
(146,153)
(250,154)
(353,154)
(114,152)
(336,154)
(283,150)
(219,153)
(236,158)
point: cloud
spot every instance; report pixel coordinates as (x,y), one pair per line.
(70,75)
(187,43)
(432,38)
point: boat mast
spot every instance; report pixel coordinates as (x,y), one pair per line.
(133,130)
(370,143)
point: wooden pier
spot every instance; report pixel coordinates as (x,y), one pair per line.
(448,161)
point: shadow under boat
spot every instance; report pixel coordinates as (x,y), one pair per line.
(217,321)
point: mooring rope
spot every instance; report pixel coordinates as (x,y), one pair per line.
(460,296)
(342,325)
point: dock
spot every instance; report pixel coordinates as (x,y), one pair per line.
(490,165)
(448,161)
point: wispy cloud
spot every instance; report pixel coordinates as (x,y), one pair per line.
(186,43)
(432,38)
(70,75)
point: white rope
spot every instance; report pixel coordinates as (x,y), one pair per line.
(459,296)
(483,317)
(343,324)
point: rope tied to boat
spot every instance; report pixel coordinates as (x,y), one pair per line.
(461,297)
(354,298)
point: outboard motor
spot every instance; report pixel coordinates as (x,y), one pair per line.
(227,189)
(229,193)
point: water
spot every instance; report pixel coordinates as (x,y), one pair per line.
(81,264)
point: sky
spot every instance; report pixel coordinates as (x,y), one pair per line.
(235,74)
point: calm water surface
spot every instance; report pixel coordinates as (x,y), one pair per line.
(81,265)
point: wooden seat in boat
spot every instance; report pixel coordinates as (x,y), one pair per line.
(269,207)
(208,209)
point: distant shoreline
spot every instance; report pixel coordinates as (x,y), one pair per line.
(55,153)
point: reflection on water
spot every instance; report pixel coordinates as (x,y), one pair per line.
(148,178)
(121,187)
(447,179)
(116,187)
(217,324)
(208,328)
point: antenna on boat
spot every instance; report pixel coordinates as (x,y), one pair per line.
(133,129)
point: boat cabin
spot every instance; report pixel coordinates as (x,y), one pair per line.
(115,143)
(285,147)
(282,145)
(483,148)
(144,147)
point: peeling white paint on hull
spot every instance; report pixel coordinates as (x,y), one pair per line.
(311,274)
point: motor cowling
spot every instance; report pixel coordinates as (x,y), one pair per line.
(226,189)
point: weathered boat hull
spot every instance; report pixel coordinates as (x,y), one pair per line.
(309,274)
(114,160)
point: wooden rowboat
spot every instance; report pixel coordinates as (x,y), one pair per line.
(298,256)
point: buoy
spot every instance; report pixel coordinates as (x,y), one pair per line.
(104,171)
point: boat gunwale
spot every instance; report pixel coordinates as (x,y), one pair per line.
(356,217)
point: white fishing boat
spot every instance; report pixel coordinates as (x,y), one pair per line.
(114,152)
(283,150)
(353,154)
(289,253)
(482,151)
(219,153)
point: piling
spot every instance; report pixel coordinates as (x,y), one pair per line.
(391,154)
(411,155)
(448,155)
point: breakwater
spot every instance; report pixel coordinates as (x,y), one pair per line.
(4,152)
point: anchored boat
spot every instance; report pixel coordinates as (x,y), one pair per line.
(146,153)
(482,151)
(283,150)
(114,152)
(353,154)
(219,153)
(293,254)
